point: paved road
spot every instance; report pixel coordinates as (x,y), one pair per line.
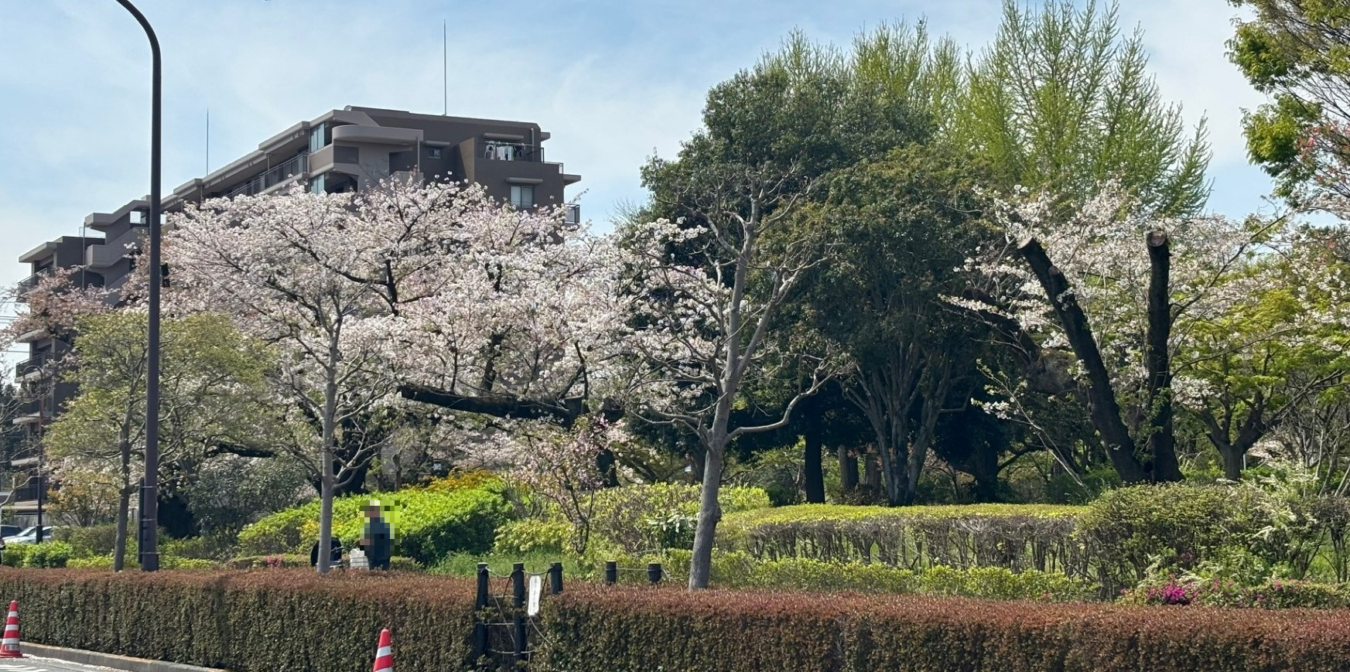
(31,664)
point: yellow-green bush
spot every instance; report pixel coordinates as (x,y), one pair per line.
(635,518)
(521,537)
(427,524)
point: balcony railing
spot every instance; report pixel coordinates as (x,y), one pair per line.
(511,151)
(272,177)
(28,283)
(29,491)
(573,215)
(31,365)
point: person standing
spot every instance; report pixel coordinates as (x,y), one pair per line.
(379,538)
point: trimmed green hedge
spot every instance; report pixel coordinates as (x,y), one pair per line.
(1018,537)
(294,620)
(739,570)
(427,524)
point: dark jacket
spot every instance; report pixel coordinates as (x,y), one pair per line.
(380,548)
(334,557)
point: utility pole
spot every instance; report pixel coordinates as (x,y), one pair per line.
(150,486)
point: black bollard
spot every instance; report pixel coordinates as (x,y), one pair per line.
(480,634)
(518,601)
(555,578)
(653,573)
(611,573)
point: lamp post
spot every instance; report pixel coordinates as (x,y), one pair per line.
(149,514)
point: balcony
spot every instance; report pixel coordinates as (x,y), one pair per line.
(23,458)
(28,492)
(114,251)
(27,284)
(31,368)
(512,151)
(272,177)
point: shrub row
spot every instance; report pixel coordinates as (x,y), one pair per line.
(1017,537)
(248,621)
(740,570)
(1272,594)
(640,629)
(294,620)
(44,555)
(1114,541)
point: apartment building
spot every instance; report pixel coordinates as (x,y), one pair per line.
(340,150)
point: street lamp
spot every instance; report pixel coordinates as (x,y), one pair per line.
(149,513)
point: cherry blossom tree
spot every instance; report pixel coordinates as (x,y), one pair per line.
(561,466)
(1124,292)
(281,267)
(430,292)
(703,304)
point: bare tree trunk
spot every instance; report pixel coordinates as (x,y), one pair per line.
(326,480)
(709,514)
(123,500)
(813,471)
(1103,407)
(120,545)
(1162,437)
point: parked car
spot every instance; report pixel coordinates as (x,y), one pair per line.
(9,530)
(29,536)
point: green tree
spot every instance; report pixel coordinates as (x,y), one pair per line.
(898,231)
(211,391)
(1061,101)
(1298,52)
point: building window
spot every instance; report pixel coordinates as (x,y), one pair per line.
(318,137)
(522,195)
(434,153)
(316,185)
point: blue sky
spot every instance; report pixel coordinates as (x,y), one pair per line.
(612,81)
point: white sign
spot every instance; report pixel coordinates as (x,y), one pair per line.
(357,559)
(536,587)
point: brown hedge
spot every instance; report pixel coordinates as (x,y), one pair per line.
(641,629)
(296,621)
(248,621)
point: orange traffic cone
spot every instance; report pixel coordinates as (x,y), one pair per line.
(9,646)
(384,656)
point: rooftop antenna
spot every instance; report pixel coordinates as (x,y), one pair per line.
(208,142)
(445,69)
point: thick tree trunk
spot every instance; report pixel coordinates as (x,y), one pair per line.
(1162,437)
(848,469)
(709,513)
(120,545)
(1232,461)
(814,474)
(1104,410)
(871,470)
